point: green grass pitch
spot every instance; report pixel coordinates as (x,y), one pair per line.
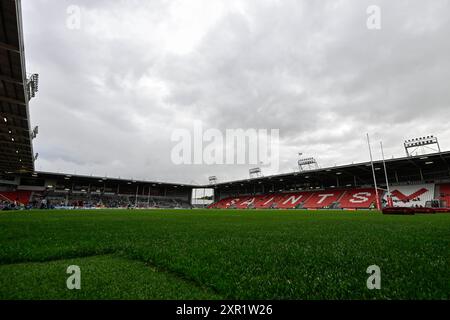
(223,254)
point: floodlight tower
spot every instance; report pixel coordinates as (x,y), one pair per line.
(422,145)
(32,85)
(213,182)
(35,132)
(310,163)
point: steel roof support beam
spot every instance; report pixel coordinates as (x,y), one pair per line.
(11,80)
(11,100)
(9,47)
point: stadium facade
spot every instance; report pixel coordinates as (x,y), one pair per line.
(414,181)
(421,181)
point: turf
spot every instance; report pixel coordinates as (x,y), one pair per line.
(99,280)
(228,254)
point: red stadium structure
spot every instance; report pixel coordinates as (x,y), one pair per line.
(444,194)
(336,199)
(420,183)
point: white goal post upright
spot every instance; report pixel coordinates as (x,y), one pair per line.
(374,176)
(385,170)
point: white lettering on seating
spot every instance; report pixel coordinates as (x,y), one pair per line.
(360,197)
(293,199)
(324,196)
(233,201)
(248,202)
(269,201)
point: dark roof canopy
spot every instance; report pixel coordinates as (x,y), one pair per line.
(110,181)
(16,152)
(432,167)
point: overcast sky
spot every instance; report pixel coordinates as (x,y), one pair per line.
(113,91)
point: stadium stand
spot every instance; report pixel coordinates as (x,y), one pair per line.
(264,201)
(412,181)
(291,200)
(416,195)
(94,200)
(359,199)
(221,204)
(346,199)
(323,199)
(21,197)
(281,201)
(444,194)
(49,190)
(245,202)
(404,196)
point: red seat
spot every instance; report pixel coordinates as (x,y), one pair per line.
(22,197)
(245,202)
(323,199)
(264,201)
(292,200)
(221,204)
(272,200)
(350,199)
(444,194)
(224,203)
(359,198)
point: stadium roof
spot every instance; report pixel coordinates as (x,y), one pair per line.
(430,167)
(80,179)
(16,151)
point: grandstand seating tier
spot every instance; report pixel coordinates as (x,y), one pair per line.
(444,194)
(323,199)
(22,197)
(412,195)
(349,199)
(359,198)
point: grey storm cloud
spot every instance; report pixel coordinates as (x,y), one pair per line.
(113,91)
